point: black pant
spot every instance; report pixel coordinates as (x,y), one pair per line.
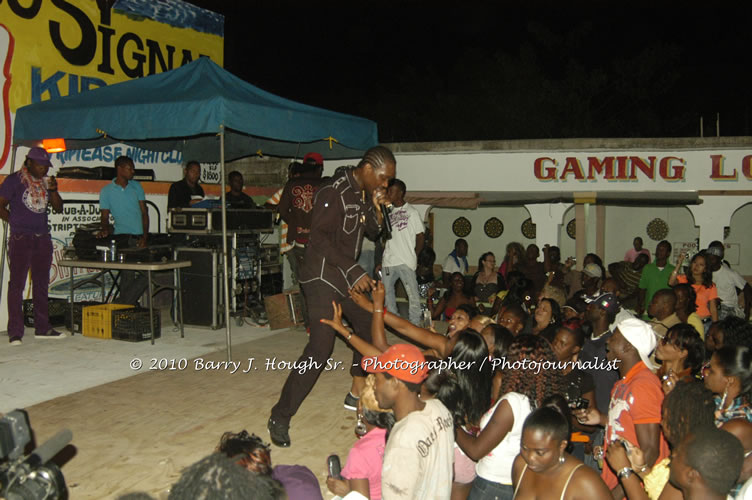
(319,297)
(298,254)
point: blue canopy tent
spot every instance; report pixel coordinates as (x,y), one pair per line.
(201,110)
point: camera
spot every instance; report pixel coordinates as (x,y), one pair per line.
(31,477)
(579,403)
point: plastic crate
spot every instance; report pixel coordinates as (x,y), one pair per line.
(132,325)
(56,312)
(78,309)
(97,320)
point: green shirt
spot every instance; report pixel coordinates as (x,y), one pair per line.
(654,279)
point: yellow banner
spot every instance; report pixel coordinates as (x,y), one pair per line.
(64,47)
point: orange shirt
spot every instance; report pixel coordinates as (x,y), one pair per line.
(635,399)
(704,295)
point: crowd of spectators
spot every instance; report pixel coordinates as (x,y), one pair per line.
(548,382)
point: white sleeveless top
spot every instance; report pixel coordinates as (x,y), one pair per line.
(497,465)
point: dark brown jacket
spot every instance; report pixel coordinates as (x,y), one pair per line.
(340,219)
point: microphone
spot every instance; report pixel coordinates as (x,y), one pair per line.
(387,223)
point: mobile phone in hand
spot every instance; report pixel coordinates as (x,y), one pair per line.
(334,467)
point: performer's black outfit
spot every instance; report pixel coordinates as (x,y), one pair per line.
(342,214)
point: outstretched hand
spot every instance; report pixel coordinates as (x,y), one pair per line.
(378,292)
(336,321)
(361,300)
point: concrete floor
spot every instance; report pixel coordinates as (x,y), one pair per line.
(136,430)
(40,370)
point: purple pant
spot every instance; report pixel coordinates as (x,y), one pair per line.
(28,251)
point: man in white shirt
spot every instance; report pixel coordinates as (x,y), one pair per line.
(419,454)
(456,261)
(729,283)
(401,251)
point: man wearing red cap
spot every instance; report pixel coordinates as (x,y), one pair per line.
(296,207)
(345,207)
(419,454)
(23,205)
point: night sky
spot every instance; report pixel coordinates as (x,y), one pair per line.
(427,74)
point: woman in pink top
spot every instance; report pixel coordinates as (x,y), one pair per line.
(700,277)
(362,471)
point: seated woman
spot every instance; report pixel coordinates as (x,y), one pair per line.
(682,352)
(700,277)
(451,300)
(731,330)
(486,283)
(687,408)
(249,451)
(543,469)
(547,319)
(729,376)
(686,305)
(362,471)
(498,442)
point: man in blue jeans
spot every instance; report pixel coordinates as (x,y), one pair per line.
(23,205)
(401,251)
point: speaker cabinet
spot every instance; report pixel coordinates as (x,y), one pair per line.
(201,287)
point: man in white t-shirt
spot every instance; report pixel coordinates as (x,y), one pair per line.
(419,454)
(401,251)
(729,283)
(456,261)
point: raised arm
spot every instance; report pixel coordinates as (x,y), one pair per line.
(672,280)
(378,336)
(420,335)
(365,348)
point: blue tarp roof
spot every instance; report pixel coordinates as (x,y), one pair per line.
(183,109)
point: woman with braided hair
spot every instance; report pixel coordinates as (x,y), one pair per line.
(531,375)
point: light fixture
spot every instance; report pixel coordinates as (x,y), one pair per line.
(54,145)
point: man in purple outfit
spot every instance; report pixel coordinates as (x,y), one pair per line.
(24,196)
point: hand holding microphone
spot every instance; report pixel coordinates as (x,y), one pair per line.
(384,204)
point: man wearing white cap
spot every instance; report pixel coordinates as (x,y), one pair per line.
(591,282)
(634,412)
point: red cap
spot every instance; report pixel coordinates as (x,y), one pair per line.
(401,361)
(314,158)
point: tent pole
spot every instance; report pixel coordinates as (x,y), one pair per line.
(225,261)
(6,225)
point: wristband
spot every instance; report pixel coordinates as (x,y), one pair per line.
(642,468)
(378,310)
(625,473)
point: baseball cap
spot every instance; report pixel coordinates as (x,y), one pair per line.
(402,361)
(714,250)
(641,336)
(313,158)
(593,270)
(607,302)
(40,156)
